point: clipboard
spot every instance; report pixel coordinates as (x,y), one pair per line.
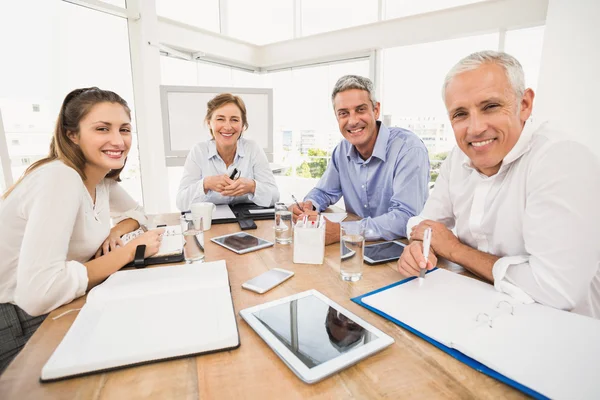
(476,365)
(539,350)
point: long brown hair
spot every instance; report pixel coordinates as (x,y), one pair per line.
(219,101)
(74,108)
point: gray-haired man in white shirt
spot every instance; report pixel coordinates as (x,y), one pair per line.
(522,200)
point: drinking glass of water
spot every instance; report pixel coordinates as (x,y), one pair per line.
(352,244)
(193,238)
(283,224)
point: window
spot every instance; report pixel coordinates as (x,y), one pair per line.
(201,14)
(404,8)
(58,48)
(413,77)
(260,21)
(324,16)
(526,46)
(305,130)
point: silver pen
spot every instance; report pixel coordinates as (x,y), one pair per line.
(298,204)
(426,245)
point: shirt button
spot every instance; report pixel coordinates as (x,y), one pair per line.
(365,206)
(363,186)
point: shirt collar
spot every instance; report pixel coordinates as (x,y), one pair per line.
(212,149)
(380,148)
(522,146)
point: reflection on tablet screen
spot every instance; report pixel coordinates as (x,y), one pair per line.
(312,330)
(240,242)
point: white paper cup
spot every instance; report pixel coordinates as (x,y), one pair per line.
(204,210)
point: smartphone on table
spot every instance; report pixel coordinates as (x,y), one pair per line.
(268,280)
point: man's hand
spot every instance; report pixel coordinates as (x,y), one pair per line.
(332,232)
(216,183)
(239,187)
(296,212)
(443,241)
(412,259)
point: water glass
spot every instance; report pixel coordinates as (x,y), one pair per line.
(193,238)
(283,224)
(352,244)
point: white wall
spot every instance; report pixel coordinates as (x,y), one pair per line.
(569,84)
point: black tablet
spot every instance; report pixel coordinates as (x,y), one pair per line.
(241,242)
(383,252)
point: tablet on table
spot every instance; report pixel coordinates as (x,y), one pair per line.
(383,252)
(241,242)
(314,336)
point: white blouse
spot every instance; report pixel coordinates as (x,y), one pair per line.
(203,160)
(539,213)
(49,228)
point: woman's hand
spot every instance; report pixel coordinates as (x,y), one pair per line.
(111,243)
(151,239)
(239,187)
(217,183)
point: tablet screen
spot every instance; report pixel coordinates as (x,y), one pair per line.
(240,241)
(384,251)
(312,330)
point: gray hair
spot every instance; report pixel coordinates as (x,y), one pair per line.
(348,82)
(512,67)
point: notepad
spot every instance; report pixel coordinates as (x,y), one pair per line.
(551,352)
(171,244)
(223,211)
(255,211)
(335,217)
(142,316)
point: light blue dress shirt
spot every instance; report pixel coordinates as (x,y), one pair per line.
(385,190)
(204,160)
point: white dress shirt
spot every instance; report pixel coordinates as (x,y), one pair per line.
(539,213)
(203,160)
(50,227)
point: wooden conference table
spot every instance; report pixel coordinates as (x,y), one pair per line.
(410,368)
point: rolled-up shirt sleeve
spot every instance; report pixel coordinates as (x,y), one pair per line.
(561,227)
(45,279)
(266,192)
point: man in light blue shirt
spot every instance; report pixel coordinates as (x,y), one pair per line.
(382,173)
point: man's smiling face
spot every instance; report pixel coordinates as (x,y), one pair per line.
(357,119)
(486,115)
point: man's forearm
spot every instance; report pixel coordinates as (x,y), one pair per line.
(476,261)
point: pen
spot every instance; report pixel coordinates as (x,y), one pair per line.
(232,176)
(298,204)
(426,245)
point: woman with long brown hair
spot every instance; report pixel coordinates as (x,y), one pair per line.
(56,239)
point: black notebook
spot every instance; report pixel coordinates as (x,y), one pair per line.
(171,247)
